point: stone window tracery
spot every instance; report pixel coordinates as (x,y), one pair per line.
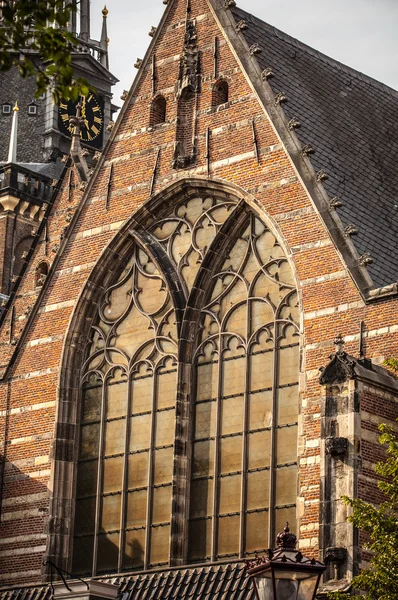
(242,385)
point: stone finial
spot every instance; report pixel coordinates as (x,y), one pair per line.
(322,176)
(339,342)
(267,74)
(280,98)
(335,203)
(110,126)
(83,186)
(366,260)
(229,4)
(152,31)
(124,95)
(242,25)
(294,124)
(307,150)
(350,230)
(255,49)
(97,155)
(138,63)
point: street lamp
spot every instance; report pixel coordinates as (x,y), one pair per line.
(284,573)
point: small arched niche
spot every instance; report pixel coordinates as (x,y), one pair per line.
(158,111)
(41,274)
(220,93)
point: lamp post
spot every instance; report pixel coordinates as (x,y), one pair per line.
(284,573)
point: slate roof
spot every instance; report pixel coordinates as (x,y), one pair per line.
(351,121)
(219,582)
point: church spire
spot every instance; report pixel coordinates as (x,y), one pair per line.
(104,39)
(12,151)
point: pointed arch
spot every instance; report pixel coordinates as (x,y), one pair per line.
(183,235)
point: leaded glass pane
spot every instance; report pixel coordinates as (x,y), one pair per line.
(134,552)
(257,531)
(228,536)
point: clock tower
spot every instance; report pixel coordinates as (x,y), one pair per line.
(44,130)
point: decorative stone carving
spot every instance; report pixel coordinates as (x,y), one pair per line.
(97,156)
(138,63)
(336,446)
(280,98)
(242,25)
(55,248)
(124,95)
(267,74)
(341,367)
(152,31)
(110,126)
(189,71)
(350,230)
(229,4)
(27,311)
(307,150)
(322,176)
(255,49)
(366,260)
(294,124)
(335,203)
(83,186)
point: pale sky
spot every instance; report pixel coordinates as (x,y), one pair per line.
(359,33)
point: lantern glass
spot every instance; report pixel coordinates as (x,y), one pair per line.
(289,585)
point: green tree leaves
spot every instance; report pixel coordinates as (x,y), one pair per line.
(34,37)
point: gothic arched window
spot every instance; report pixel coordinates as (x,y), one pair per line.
(189,390)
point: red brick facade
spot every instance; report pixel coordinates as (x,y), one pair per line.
(245,150)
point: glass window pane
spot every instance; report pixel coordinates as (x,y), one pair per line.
(262,369)
(207,377)
(160,544)
(110,512)
(234,373)
(232,415)
(203,459)
(83,556)
(113,474)
(91,400)
(230,492)
(108,552)
(89,442)
(288,404)
(165,427)
(259,449)
(258,490)
(286,485)
(260,410)
(138,470)
(199,544)
(288,370)
(161,507)
(136,508)
(134,552)
(140,434)
(117,395)
(115,437)
(163,466)
(142,393)
(205,421)
(286,445)
(85,516)
(87,478)
(257,531)
(166,392)
(231,454)
(201,498)
(228,535)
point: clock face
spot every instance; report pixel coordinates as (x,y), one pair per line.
(92,115)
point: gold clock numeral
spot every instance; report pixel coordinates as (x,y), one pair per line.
(95,130)
(96,109)
(65,118)
(98,120)
(91,97)
(89,137)
(63,106)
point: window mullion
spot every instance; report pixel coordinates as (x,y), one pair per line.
(273,461)
(123,510)
(217,452)
(99,492)
(243,498)
(151,473)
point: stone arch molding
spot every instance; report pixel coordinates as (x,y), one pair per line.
(189,296)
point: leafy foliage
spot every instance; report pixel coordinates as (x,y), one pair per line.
(380,580)
(30,29)
(392,364)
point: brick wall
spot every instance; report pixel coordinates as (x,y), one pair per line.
(330,300)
